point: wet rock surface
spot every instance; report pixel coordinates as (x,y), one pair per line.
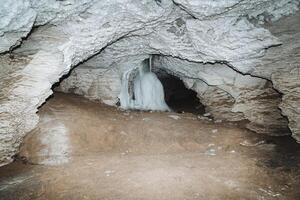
(86,150)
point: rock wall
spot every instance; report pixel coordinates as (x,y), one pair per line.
(252,96)
(281,65)
(16,21)
(70,32)
(217,102)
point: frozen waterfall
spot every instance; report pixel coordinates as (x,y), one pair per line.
(148,92)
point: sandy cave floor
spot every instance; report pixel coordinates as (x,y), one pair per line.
(86,150)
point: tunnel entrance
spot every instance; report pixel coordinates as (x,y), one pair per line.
(179,98)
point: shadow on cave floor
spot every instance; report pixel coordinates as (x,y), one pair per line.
(86,150)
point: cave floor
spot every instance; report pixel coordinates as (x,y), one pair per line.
(86,150)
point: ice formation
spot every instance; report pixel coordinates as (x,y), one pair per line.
(148,92)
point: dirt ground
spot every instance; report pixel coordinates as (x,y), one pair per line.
(86,150)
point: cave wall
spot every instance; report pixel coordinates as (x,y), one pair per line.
(227,94)
(252,96)
(281,65)
(69,32)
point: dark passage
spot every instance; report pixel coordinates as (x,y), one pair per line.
(178,97)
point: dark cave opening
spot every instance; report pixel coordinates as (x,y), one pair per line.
(179,98)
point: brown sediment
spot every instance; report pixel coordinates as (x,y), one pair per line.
(86,150)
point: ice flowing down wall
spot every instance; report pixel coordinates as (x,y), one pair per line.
(147,91)
(124,32)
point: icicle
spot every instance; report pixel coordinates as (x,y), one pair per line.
(148,90)
(124,97)
(150,63)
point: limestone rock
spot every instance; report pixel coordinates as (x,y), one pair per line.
(95,84)
(228,8)
(242,96)
(16,21)
(54,12)
(219,103)
(281,65)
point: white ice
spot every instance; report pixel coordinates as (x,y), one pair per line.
(148,91)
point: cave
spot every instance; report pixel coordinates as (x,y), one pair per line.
(179,98)
(168,99)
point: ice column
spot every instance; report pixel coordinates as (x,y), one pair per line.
(148,90)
